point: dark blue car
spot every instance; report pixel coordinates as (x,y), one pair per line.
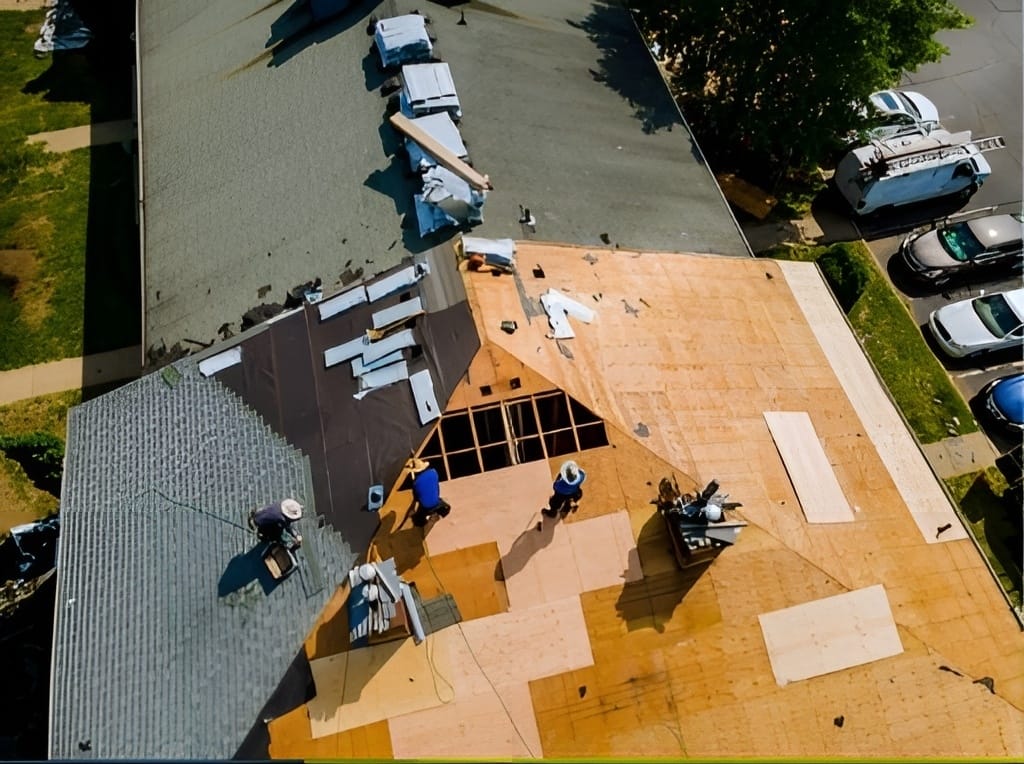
(1004,400)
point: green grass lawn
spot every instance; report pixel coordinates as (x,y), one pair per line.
(20,500)
(995,522)
(68,245)
(890,336)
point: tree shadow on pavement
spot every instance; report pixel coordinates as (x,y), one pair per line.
(626,66)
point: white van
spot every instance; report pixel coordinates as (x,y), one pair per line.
(913,168)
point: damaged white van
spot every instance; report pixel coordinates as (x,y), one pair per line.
(913,168)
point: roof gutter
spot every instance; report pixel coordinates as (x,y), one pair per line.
(140,209)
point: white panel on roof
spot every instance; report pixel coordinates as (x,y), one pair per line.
(359,368)
(344,352)
(396,341)
(423,391)
(396,313)
(215,363)
(814,481)
(332,306)
(382,377)
(385,286)
(830,634)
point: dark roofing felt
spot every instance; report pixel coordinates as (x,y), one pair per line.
(267,159)
(169,634)
(354,444)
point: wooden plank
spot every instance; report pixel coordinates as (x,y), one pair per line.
(814,481)
(746,195)
(830,634)
(443,156)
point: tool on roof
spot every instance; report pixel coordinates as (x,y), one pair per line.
(696,523)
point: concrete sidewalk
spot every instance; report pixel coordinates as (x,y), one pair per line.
(70,374)
(96,134)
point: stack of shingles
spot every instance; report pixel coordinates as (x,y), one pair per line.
(377,358)
(373,603)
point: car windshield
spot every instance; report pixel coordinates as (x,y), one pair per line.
(997,315)
(960,242)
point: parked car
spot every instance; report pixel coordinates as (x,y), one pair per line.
(965,249)
(1003,398)
(905,107)
(980,324)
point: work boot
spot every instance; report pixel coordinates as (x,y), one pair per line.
(548,512)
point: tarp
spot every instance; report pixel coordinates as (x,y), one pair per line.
(62,30)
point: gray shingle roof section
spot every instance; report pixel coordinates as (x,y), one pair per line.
(269,167)
(169,634)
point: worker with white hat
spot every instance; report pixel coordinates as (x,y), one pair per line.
(567,490)
(274,522)
(426,492)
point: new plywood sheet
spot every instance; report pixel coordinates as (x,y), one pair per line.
(498,723)
(369,684)
(493,506)
(605,551)
(523,645)
(830,634)
(927,502)
(540,566)
(814,481)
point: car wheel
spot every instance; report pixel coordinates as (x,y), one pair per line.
(970,191)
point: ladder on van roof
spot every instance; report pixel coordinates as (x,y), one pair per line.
(943,152)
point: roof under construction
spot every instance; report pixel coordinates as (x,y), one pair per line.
(853,616)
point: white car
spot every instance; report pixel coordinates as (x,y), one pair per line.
(985,323)
(905,107)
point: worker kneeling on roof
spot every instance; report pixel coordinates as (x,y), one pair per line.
(274,522)
(426,492)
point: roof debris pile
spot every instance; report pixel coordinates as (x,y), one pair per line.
(402,40)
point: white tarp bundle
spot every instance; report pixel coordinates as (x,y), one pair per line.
(447,200)
(402,39)
(441,128)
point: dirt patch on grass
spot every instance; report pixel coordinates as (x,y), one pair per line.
(20,501)
(19,270)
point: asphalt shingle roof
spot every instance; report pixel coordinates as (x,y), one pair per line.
(268,163)
(169,634)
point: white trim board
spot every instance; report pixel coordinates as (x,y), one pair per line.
(813,479)
(830,634)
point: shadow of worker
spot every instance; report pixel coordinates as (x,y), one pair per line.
(244,569)
(528,543)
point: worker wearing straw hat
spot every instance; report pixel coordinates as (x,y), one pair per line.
(274,522)
(426,492)
(566,490)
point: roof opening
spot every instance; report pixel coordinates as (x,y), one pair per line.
(496,435)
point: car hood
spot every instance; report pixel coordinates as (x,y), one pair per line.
(928,111)
(963,324)
(927,251)
(1008,396)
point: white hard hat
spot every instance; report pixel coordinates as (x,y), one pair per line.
(367,572)
(291,509)
(713,513)
(570,472)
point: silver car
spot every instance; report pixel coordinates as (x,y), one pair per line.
(985,323)
(968,249)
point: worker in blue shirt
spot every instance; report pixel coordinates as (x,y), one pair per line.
(426,492)
(566,490)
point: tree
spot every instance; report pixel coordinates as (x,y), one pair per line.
(779,80)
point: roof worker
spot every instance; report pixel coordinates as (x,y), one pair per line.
(426,492)
(567,491)
(275,522)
